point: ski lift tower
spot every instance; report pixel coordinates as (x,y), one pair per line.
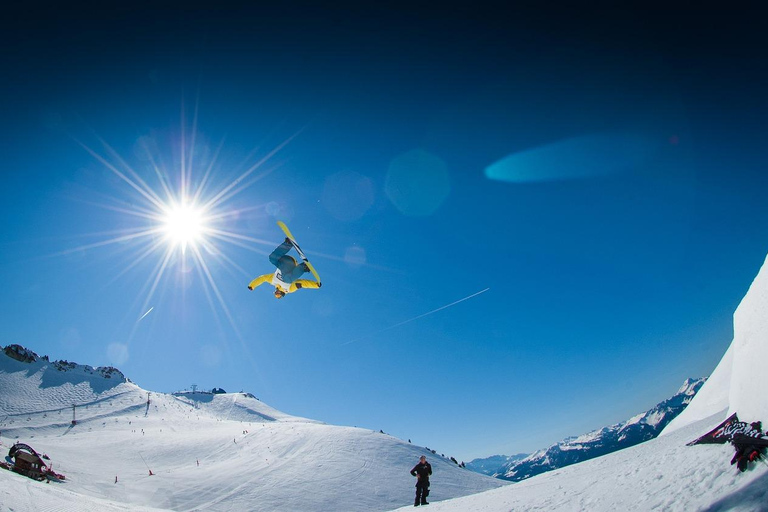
(74,420)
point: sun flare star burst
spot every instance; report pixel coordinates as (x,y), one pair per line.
(189,212)
(184,224)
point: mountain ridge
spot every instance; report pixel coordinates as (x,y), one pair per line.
(571,450)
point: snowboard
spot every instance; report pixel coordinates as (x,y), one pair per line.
(290,237)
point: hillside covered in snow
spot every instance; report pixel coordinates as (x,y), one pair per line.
(205,451)
(665,473)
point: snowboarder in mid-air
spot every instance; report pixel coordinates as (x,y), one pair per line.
(286,279)
(421,471)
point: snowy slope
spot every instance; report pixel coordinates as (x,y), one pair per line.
(251,456)
(711,398)
(660,474)
(664,473)
(734,385)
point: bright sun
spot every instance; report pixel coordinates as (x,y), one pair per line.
(183,224)
(180,213)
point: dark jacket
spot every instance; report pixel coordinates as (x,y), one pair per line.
(423,471)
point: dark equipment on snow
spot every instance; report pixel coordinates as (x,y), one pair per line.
(27,462)
(747,438)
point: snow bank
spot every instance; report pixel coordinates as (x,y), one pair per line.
(750,342)
(712,398)
(734,385)
(664,473)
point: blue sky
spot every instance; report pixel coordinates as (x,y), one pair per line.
(603,178)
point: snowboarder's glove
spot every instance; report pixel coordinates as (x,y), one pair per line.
(319,285)
(298,285)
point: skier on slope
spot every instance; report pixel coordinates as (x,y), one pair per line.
(286,277)
(421,471)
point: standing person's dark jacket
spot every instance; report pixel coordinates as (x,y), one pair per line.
(422,470)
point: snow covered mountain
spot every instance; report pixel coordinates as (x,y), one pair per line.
(600,442)
(491,465)
(205,451)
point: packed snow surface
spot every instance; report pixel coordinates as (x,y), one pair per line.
(660,474)
(227,452)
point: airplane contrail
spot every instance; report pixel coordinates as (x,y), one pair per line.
(145,314)
(417,317)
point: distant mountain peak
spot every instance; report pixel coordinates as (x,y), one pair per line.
(573,449)
(24,355)
(21,354)
(690,387)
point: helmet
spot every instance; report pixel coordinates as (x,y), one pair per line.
(279,294)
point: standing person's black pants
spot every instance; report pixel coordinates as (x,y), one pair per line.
(422,491)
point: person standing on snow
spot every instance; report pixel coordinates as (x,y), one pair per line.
(286,277)
(421,471)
